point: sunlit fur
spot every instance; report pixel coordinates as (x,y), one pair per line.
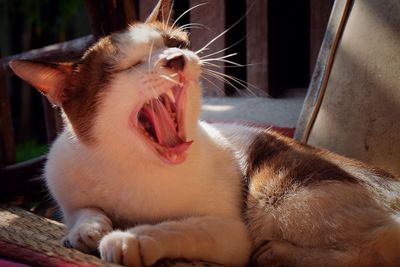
(310,207)
(242,193)
(119,177)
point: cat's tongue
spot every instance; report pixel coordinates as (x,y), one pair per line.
(163,123)
(172,145)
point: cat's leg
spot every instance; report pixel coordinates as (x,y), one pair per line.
(213,239)
(86,228)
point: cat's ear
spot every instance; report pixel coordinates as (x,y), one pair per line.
(49,78)
(162,12)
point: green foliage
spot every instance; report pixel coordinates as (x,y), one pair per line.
(33,12)
(46,21)
(30,149)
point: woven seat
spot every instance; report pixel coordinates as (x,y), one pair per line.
(34,240)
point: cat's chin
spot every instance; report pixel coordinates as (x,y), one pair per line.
(160,122)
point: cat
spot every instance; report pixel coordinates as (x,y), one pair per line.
(139,178)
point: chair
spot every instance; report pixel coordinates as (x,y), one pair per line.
(352,107)
(353,103)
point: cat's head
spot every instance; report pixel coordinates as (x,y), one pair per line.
(137,89)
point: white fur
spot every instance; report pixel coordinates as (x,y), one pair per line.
(121,178)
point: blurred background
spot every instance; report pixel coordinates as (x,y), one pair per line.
(277,42)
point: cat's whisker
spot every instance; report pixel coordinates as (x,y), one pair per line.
(170,79)
(224,32)
(223,79)
(240,82)
(150,54)
(169,15)
(193,26)
(184,13)
(163,21)
(223,57)
(222,50)
(226,61)
(190,28)
(212,65)
(222,66)
(215,86)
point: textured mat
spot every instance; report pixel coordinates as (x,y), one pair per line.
(34,240)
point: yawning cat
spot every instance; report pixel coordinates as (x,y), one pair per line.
(140,179)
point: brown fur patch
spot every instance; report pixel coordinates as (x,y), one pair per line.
(171,35)
(278,157)
(94,72)
(89,78)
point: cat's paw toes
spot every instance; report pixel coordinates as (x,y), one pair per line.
(136,247)
(86,235)
(271,254)
(151,250)
(121,248)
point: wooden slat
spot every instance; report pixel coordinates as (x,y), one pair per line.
(257,45)
(211,15)
(145,8)
(7,143)
(23,179)
(107,16)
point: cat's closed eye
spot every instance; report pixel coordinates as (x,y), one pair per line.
(172,41)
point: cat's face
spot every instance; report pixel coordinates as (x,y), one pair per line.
(135,91)
(152,101)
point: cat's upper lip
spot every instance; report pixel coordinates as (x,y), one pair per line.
(161,123)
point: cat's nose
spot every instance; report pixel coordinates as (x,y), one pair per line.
(176,62)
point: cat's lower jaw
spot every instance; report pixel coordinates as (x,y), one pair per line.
(219,240)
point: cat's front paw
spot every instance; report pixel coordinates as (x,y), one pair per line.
(130,249)
(86,235)
(121,248)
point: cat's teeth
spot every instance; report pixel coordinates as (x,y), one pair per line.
(171,96)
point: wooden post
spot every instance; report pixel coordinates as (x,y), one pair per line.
(7,143)
(212,15)
(257,45)
(108,16)
(319,16)
(145,8)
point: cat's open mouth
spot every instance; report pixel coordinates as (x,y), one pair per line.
(161,122)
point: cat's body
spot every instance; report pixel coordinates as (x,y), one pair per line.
(310,207)
(130,191)
(126,160)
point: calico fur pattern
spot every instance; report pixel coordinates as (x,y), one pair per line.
(241,195)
